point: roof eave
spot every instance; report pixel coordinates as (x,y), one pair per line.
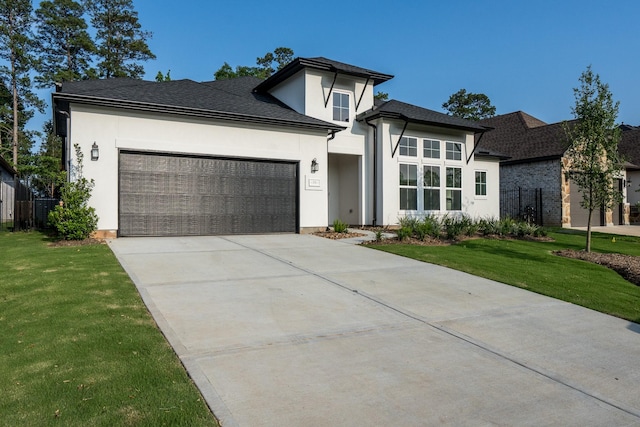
(373,115)
(299,64)
(192,112)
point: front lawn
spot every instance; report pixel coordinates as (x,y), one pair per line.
(79,348)
(531,265)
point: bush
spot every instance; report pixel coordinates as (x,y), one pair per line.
(340,227)
(73,218)
(404,233)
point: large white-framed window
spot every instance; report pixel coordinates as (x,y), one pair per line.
(481,183)
(409,146)
(431,148)
(453,150)
(340,106)
(431,187)
(408,187)
(454,189)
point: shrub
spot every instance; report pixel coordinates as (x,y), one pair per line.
(73,218)
(378,235)
(404,233)
(340,227)
(453,227)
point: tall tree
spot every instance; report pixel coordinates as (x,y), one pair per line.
(121,42)
(43,170)
(471,106)
(17,50)
(593,158)
(65,45)
(280,57)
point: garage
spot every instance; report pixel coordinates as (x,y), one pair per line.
(175,195)
(579,215)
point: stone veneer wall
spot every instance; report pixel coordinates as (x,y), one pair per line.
(546,175)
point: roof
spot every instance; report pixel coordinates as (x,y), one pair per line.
(523,137)
(413,114)
(629,147)
(224,100)
(324,64)
(7,166)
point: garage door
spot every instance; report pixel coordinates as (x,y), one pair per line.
(171,195)
(579,215)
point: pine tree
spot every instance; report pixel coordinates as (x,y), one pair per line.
(65,45)
(17,50)
(121,43)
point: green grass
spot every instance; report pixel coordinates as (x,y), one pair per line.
(531,265)
(78,347)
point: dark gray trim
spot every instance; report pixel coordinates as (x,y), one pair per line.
(393,153)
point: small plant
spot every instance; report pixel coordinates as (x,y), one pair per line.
(453,227)
(340,227)
(378,236)
(404,233)
(73,218)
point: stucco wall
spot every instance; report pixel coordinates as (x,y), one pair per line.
(472,205)
(114,130)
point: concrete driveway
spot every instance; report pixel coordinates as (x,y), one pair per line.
(297,330)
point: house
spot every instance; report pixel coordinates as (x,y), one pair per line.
(291,153)
(537,161)
(7,185)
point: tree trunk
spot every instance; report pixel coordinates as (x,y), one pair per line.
(589,231)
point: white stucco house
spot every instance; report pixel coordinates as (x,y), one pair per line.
(291,153)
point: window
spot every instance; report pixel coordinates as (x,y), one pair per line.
(408,187)
(454,151)
(454,189)
(341,107)
(409,147)
(481,183)
(431,148)
(431,182)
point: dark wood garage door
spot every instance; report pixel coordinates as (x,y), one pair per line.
(171,195)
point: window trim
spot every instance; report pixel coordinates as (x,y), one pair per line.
(424,148)
(425,188)
(453,152)
(402,186)
(453,188)
(476,183)
(341,108)
(408,147)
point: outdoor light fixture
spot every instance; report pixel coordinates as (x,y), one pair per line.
(314,166)
(95,152)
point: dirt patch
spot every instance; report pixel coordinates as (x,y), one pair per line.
(628,266)
(72,243)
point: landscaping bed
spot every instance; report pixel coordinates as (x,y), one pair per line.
(628,266)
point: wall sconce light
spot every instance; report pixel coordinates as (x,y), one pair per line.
(95,152)
(315,167)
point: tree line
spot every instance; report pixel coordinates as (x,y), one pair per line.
(47,46)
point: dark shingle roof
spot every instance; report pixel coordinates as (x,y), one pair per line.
(320,63)
(224,100)
(7,166)
(523,137)
(629,147)
(413,114)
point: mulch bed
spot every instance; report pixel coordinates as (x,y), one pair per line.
(628,266)
(336,236)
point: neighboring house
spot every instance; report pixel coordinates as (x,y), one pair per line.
(630,150)
(7,185)
(291,153)
(537,161)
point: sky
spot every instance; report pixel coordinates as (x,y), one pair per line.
(523,55)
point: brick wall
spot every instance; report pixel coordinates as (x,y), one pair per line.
(546,175)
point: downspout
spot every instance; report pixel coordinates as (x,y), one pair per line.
(67,145)
(375,172)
